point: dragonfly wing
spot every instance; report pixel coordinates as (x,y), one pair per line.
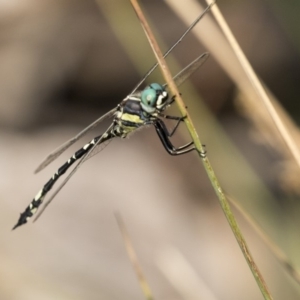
(57,152)
(184,74)
(98,148)
(178,42)
(75,169)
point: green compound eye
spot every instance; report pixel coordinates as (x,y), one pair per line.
(153,98)
(151,93)
(157,87)
(149,96)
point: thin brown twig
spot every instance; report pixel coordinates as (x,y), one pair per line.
(214,181)
(133,259)
(277,252)
(256,84)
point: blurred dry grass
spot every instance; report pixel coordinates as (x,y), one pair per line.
(62,65)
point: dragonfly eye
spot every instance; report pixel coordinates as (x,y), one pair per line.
(149,96)
(153,97)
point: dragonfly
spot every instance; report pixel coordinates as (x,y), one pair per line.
(139,109)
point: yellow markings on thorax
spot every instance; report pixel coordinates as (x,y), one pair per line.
(131,118)
(128,128)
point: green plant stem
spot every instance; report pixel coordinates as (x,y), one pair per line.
(209,170)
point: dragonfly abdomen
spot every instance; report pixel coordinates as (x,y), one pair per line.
(38,199)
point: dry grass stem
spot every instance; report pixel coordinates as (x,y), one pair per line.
(214,181)
(277,252)
(134,260)
(285,171)
(258,87)
(182,275)
(210,35)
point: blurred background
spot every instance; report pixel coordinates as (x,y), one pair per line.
(65,63)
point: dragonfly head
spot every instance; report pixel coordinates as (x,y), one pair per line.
(154,98)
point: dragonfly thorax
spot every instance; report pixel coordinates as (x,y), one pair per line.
(154,98)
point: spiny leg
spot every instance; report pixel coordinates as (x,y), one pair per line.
(163,134)
(165,130)
(178,119)
(164,137)
(38,199)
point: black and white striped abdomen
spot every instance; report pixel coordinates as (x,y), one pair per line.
(38,199)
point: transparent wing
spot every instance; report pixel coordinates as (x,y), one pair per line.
(98,149)
(178,41)
(57,152)
(67,144)
(185,73)
(75,169)
(179,79)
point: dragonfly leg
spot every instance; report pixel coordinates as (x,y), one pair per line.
(38,199)
(178,119)
(164,135)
